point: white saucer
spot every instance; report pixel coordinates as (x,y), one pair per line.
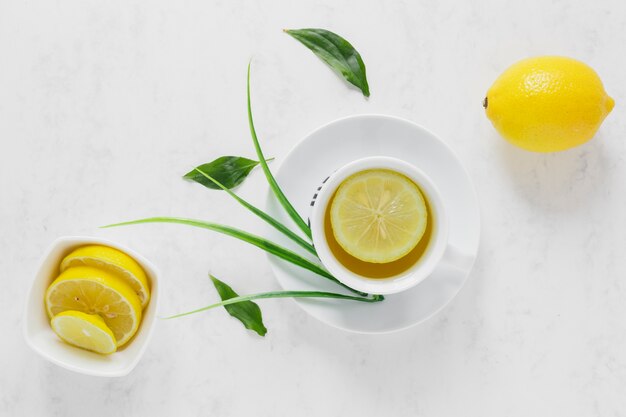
(355,137)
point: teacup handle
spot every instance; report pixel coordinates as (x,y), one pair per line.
(456,258)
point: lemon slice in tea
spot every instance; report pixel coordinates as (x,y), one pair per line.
(94,291)
(378,215)
(87,331)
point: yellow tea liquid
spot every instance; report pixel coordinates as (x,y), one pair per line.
(378,270)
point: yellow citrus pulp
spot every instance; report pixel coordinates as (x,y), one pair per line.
(378,215)
(96,291)
(87,331)
(112,260)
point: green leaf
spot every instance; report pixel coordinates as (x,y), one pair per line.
(263,215)
(282,294)
(247,312)
(230,171)
(280,196)
(337,53)
(257,241)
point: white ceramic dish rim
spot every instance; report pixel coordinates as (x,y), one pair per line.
(43,278)
(462,167)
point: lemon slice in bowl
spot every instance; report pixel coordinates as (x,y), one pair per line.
(378,215)
(87,331)
(94,291)
(111,260)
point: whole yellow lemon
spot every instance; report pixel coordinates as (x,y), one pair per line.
(547,103)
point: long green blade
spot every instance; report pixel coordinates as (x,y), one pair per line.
(263,215)
(282,294)
(255,240)
(282,199)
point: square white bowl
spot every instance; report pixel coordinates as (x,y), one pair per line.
(43,340)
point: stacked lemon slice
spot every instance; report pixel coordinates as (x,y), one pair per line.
(97,300)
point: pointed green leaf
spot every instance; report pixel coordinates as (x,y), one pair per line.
(247,312)
(337,53)
(230,171)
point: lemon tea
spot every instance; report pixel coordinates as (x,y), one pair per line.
(372,269)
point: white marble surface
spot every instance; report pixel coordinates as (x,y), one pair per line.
(103,105)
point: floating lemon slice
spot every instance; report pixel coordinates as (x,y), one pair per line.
(87,331)
(94,291)
(378,215)
(114,261)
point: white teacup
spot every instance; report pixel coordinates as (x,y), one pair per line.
(438,249)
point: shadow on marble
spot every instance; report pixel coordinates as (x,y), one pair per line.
(562,181)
